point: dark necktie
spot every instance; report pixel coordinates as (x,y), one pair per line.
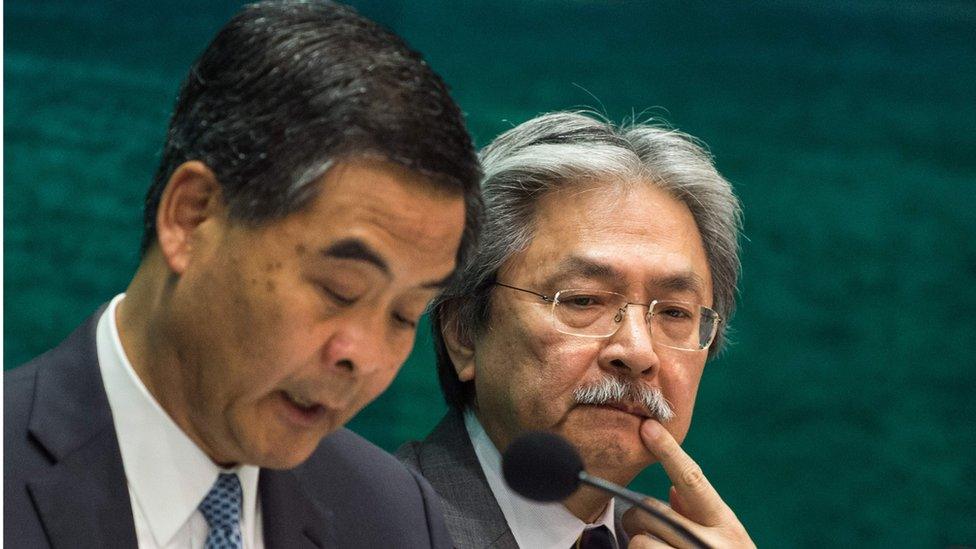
(595,538)
(222,509)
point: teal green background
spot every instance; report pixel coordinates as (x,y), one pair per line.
(841,415)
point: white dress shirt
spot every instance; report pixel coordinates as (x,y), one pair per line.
(533,524)
(168,475)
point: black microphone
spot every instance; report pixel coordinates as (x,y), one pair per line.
(543,466)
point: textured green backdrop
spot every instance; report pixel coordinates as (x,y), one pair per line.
(842,415)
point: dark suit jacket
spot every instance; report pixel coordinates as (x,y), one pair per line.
(447,460)
(64,484)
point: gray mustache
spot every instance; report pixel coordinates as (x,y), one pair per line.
(613,390)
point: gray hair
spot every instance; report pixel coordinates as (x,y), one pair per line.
(611,389)
(562,149)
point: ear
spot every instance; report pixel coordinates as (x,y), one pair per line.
(192,196)
(459,345)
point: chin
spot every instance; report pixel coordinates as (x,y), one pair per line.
(607,435)
(615,449)
(282,458)
(280,450)
(277,444)
(615,455)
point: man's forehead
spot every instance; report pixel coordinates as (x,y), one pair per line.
(674,274)
(619,232)
(354,249)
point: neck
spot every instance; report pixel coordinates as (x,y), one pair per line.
(587,504)
(144,330)
(137,316)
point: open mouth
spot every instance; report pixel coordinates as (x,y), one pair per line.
(302,409)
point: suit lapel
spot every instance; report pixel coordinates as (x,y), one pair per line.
(292,519)
(83,501)
(448,461)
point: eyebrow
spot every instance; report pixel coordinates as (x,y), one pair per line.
(575,265)
(357,250)
(681,282)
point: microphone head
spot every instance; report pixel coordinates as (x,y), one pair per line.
(542,466)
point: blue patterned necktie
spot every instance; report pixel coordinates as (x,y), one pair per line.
(222,509)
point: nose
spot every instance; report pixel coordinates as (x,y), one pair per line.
(630,350)
(356,346)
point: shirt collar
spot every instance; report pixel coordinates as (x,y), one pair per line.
(533,524)
(168,474)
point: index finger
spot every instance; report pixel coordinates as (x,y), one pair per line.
(700,501)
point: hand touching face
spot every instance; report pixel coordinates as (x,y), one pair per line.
(694,502)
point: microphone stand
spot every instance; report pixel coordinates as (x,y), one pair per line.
(638,500)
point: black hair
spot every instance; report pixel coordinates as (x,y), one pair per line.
(285,89)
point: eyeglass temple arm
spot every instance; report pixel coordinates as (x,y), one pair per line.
(544,297)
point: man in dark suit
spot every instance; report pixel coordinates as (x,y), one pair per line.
(317,188)
(608,262)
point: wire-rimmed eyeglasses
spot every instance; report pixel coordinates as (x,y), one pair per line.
(594,313)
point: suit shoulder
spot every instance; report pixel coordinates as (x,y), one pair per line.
(19,383)
(18,394)
(369,493)
(443,447)
(409,453)
(77,346)
(23,459)
(22,375)
(355,455)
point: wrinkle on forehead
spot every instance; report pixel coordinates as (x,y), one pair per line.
(616,228)
(414,227)
(580,266)
(603,201)
(406,207)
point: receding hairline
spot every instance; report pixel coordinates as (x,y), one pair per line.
(438,185)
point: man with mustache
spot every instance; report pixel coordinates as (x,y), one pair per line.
(316,190)
(602,285)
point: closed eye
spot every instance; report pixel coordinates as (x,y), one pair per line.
(404,322)
(337,297)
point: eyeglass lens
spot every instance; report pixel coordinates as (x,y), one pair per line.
(677,324)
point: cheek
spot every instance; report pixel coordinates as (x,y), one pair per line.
(567,363)
(249,321)
(288,324)
(680,383)
(401,344)
(681,388)
(550,370)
